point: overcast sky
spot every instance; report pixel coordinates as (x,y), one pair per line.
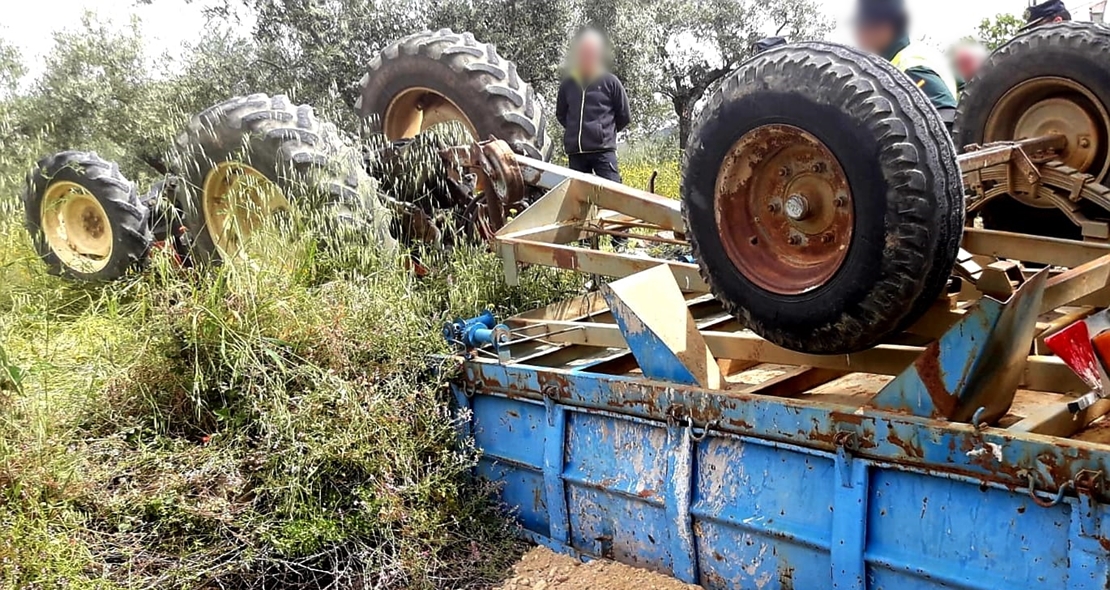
(168,23)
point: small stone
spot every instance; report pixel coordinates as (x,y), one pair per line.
(541,585)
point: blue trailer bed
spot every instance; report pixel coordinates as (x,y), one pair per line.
(782,478)
(643,423)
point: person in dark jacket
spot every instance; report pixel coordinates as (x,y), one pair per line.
(592,107)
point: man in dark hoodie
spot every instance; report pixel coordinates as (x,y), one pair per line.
(592,107)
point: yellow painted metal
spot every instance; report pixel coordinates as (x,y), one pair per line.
(419,108)
(76,227)
(236,200)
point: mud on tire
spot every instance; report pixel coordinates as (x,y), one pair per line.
(906,195)
(470,75)
(290,147)
(85,218)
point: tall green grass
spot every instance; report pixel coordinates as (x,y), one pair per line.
(271,423)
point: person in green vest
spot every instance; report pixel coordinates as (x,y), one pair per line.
(882,27)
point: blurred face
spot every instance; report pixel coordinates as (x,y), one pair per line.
(588,53)
(874,37)
(969,59)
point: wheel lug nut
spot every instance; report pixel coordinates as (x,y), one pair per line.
(773,207)
(794,239)
(840,201)
(819,167)
(1084,142)
(784,171)
(797,207)
(827,238)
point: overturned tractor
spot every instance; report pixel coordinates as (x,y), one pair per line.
(243,162)
(827,215)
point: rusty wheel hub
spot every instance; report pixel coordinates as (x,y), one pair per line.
(784,209)
(500,184)
(1050,105)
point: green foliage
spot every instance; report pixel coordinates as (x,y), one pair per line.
(532,34)
(642,159)
(994,32)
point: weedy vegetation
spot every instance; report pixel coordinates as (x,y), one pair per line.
(277,422)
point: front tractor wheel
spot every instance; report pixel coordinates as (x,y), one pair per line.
(85,218)
(827,213)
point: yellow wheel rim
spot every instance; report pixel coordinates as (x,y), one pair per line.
(417,109)
(76,227)
(237,200)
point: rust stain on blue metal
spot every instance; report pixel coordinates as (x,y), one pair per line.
(975,367)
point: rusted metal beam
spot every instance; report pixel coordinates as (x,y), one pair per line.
(1029,248)
(1042,373)
(666,213)
(598,262)
(1076,284)
(795,382)
(1058,420)
(1004,153)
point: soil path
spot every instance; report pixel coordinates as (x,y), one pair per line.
(542,569)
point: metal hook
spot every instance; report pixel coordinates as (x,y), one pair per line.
(1041,501)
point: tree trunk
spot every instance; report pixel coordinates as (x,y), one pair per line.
(685,122)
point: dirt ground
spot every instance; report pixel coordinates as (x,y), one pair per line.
(543,569)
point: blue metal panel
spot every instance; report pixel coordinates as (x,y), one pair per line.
(656,358)
(828,512)
(849,526)
(924,531)
(616,472)
(756,528)
(994,455)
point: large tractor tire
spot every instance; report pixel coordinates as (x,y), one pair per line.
(433,77)
(827,213)
(85,218)
(1051,79)
(249,158)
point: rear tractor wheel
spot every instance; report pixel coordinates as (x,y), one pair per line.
(827,213)
(431,78)
(248,159)
(85,218)
(1049,80)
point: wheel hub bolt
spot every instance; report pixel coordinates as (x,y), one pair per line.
(840,201)
(819,167)
(827,238)
(1084,142)
(794,239)
(773,207)
(784,171)
(797,207)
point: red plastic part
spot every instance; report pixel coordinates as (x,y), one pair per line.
(1074,346)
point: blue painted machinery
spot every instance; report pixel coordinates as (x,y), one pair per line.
(734,488)
(642,423)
